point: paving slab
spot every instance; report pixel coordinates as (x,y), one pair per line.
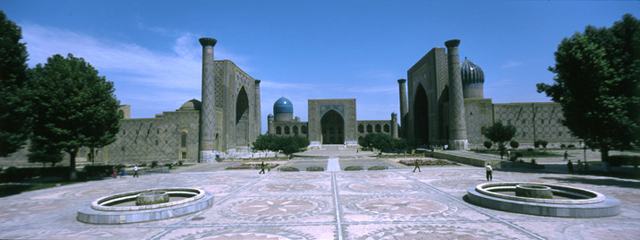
(388,204)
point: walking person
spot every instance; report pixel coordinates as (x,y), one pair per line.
(489,172)
(135,171)
(417,165)
(115,172)
(566,155)
(262,168)
(124,173)
(570,166)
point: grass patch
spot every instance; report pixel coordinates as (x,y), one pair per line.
(353,168)
(378,168)
(243,166)
(289,169)
(529,153)
(427,162)
(315,169)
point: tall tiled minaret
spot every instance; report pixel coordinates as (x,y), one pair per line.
(208,110)
(404,111)
(258,112)
(457,124)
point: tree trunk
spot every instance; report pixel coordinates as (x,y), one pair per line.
(72,163)
(604,155)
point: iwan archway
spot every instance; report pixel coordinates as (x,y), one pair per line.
(332,128)
(242,119)
(421,116)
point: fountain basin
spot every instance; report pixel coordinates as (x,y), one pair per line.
(578,203)
(120,208)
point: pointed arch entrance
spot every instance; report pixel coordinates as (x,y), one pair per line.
(332,128)
(242,119)
(421,116)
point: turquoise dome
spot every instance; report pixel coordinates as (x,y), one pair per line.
(282,105)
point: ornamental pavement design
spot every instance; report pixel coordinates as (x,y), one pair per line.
(389,204)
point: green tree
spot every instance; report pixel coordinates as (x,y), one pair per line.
(380,141)
(266,142)
(14,100)
(292,144)
(500,134)
(597,85)
(76,107)
(41,152)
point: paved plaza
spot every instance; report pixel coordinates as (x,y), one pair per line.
(389,204)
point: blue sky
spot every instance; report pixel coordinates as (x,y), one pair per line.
(305,49)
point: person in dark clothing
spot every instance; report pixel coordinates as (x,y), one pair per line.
(570,166)
(262,168)
(417,166)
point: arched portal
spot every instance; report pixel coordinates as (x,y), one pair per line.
(421,116)
(242,119)
(332,125)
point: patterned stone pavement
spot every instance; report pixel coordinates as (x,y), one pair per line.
(390,204)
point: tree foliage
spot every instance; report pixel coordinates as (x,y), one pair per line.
(380,141)
(500,133)
(75,107)
(14,102)
(596,83)
(287,144)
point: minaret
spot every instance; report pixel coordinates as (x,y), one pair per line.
(208,109)
(394,125)
(457,125)
(271,129)
(258,113)
(403,107)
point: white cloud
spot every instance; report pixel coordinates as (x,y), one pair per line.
(511,64)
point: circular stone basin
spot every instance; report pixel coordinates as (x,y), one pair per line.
(119,208)
(577,202)
(152,197)
(533,191)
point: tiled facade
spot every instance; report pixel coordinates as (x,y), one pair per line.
(428,112)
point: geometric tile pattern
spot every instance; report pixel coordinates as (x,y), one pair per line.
(391,204)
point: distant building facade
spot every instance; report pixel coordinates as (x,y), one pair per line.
(426,107)
(331,121)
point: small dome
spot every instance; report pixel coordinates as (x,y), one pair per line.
(270,115)
(192,104)
(282,105)
(470,72)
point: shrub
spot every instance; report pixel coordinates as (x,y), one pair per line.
(519,154)
(180,163)
(533,161)
(488,144)
(315,169)
(12,174)
(154,164)
(544,143)
(353,168)
(619,160)
(514,144)
(289,169)
(563,146)
(571,146)
(530,149)
(377,168)
(513,158)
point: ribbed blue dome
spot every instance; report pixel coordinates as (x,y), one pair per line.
(282,105)
(470,72)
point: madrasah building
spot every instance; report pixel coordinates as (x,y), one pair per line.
(441,103)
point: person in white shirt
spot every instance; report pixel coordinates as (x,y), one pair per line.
(489,172)
(135,171)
